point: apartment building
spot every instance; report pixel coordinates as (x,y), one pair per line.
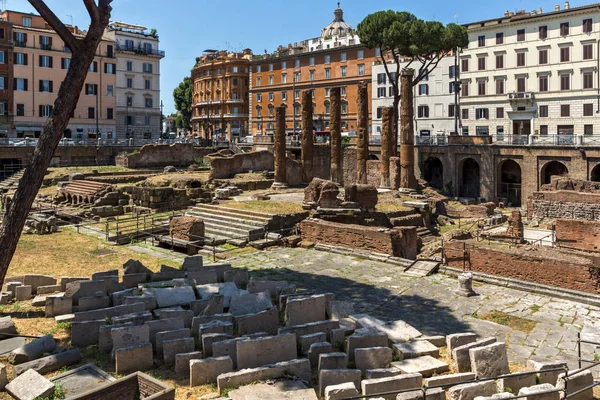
(220,87)
(532,74)
(6,78)
(334,59)
(40,62)
(434,97)
(138,107)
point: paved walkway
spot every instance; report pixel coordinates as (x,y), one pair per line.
(431,305)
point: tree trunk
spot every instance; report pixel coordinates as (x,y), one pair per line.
(407,139)
(307,136)
(279,149)
(66,101)
(335,136)
(362,150)
(387,134)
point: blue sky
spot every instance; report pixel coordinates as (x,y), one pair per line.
(187,27)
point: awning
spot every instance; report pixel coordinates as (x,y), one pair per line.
(29,128)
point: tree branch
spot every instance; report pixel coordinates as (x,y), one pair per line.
(55,23)
(93,11)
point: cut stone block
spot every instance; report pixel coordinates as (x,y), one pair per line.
(204,276)
(129,336)
(163,325)
(452,379)
(38,301)
(437,341)
(85,333)
(216,305)
(313,327)
(305,310)
(149,301)
(575,383)
(307,340)
(134,358)
(49,289)
(264,321)
(79,288)
(201,320)
(365,337)
(58,306)
(315,350)
(186,315)
(415,349)
(5,298)
(337,309)
(461,354)
(64,280)
(333,361)
(133,280)
(35,281)
(459,339)
(118,298)
(258,285)
(372,358)
(227,348)
(381,373)
(109,312)
(173,296)
(469,391)
(203,372)
(513,384)
(550,377)
(225,289)
(23,293)
(176,346)
(211,338)
(8,345)
(49,364)
(29,386)
(432,394)
(397,331)
(12,286)
(198,306)
(341,391)
(262,351)
(544,391)
(32,350)
(93,303)
(337,336)
(170,335)
(237,276)
(331,377)
(105,343)
(250,303)
(7,325)
(139,318)
(182,363)
(299,368)
(399,382)
(496,396)
(191,262)
(426,366)
(215,327)
(489,361)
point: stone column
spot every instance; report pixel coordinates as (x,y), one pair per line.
(279,149)
(407,132)
(335,135)
(387,136)
(362,123)
(465,285)
(307,136)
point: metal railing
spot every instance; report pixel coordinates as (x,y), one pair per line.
(141,50)
(515,140)
(83,142)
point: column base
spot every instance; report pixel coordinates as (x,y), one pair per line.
(279,186)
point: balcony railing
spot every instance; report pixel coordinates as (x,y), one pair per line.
(141,50)
(19,43)
(510,140)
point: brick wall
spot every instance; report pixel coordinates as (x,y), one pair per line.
(578,234)
(373,169)
(541,265)
(162,155)
(564,204)
(398,242)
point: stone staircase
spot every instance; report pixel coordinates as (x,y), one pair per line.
(426,234)
(83,191)
(12,181)
(229,225)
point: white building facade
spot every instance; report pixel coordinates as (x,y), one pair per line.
(434,99)
(138,82)
(532,77)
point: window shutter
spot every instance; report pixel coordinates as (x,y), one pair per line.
(25,59)
(51,87)
(41,87)
(40,61)
(51,109)
(6,108)
(41,39)
(25,84)
(14,83)
(41,110)
(114,69)
(25,37)
(50,41)
(105,68)
(15,36)
(51,61)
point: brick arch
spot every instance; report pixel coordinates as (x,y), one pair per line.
(469,177)
(433,171)
(550,168)
(595,173)
(509,181)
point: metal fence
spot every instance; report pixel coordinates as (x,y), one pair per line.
(516,140)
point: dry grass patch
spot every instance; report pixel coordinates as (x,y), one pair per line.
(64,171)
(68,253)
(266,206)
(513,322)
(165,180)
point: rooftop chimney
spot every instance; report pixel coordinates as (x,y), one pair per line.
(567,5)
(557,7)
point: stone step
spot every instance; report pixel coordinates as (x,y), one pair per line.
(225,220)
(221,210)
(230,233)
(422,268)
(218,228)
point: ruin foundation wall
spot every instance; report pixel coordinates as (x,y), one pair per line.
(578,234)
(162,155)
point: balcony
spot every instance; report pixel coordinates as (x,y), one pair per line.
(511,140)
(521,98)
(141,50)
(233,115)
(45,46)
(19,43)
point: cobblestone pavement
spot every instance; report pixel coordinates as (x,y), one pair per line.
(431,305)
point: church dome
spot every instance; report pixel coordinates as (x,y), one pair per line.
(338,27)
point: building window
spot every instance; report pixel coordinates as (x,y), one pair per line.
(311,75)
(284,96)
(521,84)
(45,110)
(258,97)
(296,76)
(93,67)
(451,110)
(27,21)
(588,109)
(588,51)
(129,83)
(234,69)
(271,79)
(283,78)
(45,86)
(588,129)
(564,54)
(91,89)
(520,59)
(129,101)
(423,111)
(45,43)
(360,54)
(297,95)
(148,120)
(380,92)
(110,68)
(147,68)
(3,83)
(311,61)
(543,111)
(258,81)
(20,84)
(129,66)
(271,96)
(327,73)
(499,86)
(543,129)
(481,88)
(381,79)
(565,82)
(451,71)
(482,130)
(481,41)
(342,91)
(565,110)
(465,113)
(1,57)
(110,90)
(45,61)
(588,80)
(521,35)
(499,61)
(564,28)
(543,57)
(361,69)
(110,113)
(65,63)
(452,87)
(297,63)
(20,39)
(587,25)
(499,112)
(344,71)
(21,59)
(543,83)
(500,38)
(543,32)
(148,102)
(284,65)
(270,67)
(343,57)
(327,92)
(464,89)
(20,110)
(500,130)
(481,63)
(327,59)
(147,84)
(482,113)
(91,113)
(464,64)
(423,89)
